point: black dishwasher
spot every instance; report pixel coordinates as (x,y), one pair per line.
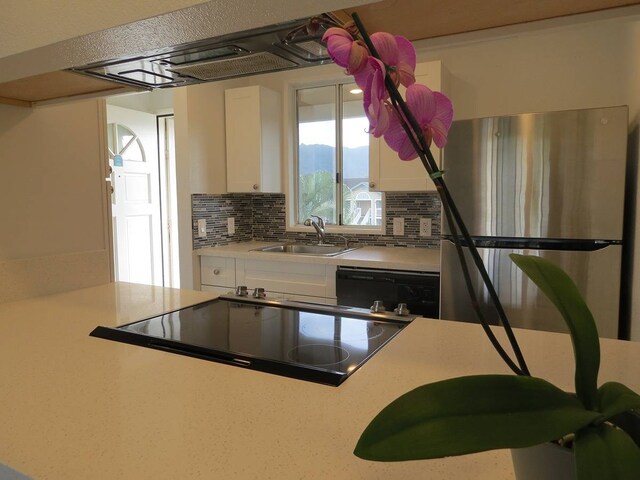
(360,287)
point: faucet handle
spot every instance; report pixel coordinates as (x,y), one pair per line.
(319,220)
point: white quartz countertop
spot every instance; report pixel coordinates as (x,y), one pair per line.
(79,407)
(394,258)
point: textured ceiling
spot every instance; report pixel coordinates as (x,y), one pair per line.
(420,19)
(30,24)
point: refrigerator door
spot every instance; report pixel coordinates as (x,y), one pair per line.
(596,273)
(542,175)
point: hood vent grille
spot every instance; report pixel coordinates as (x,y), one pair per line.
(313,47)
(234,67)
(266,49)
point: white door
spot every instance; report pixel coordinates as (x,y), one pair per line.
(133,157)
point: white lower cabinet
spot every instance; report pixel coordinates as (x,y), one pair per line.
(290,280)
(296,281)
(217,274)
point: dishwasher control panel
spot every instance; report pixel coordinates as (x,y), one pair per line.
(395,291)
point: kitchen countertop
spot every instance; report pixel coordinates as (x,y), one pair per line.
(78,407)
(395,258)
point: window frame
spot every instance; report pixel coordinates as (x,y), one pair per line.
(291,185)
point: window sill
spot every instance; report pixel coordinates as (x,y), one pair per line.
(340,230)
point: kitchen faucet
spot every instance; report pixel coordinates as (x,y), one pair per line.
(318,225)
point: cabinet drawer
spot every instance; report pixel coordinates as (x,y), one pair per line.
(220,271)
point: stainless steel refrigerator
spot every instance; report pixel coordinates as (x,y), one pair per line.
(546,184)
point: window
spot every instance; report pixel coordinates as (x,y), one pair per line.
(333,158)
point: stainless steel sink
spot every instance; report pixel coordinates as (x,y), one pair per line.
(318,250)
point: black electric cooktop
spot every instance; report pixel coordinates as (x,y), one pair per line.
(317,343)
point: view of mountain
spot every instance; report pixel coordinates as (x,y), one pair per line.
(314,158)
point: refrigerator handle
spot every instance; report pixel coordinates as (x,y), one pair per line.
(539,243)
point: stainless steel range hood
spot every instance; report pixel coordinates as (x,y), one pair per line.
(261,50)
(206,41)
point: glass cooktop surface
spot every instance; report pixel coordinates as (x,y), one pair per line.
(320,346)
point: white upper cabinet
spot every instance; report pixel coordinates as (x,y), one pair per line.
(253,121)
(387,173)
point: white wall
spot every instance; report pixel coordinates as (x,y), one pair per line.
(157,102)
(53,211)
(552,65)
(557,68)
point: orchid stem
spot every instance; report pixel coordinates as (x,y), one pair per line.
(474,299)
(416,136)
(465,272)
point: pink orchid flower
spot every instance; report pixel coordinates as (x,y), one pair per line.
(345,51)
(397,53)
(374,96)
(434,113)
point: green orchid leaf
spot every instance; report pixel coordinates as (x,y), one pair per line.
(564,294)
(615,398)
(628,421)
(471,414)
(606,453)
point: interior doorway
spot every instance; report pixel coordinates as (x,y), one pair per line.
(168,199)
(142,165)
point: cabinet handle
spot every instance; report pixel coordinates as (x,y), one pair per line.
(372,185)
(216,271)
(255,186)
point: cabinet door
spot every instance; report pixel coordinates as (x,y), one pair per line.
(387,173)
(242,130)
(253,134)
(288,277)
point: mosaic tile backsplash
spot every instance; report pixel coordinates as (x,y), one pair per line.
(262,217)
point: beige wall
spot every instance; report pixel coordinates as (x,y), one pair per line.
(553,65)
(53,233)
